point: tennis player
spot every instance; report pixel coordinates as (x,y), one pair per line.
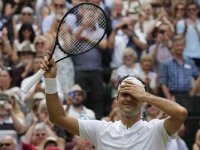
(131,132)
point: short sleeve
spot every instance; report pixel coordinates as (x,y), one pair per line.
(88,129)
(159,126)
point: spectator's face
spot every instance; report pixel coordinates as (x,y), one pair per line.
(128,59)
(165,29)
(152,110)
(5,79)
(27,33)
(7,144)
(146,65)
(117,8)
(26,57)
(78,99)
(26,16)
(40,136)
(192,10)
(39,46)
(59,6)
(180,10)
(178,47)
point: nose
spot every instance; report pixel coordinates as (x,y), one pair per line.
(129,97)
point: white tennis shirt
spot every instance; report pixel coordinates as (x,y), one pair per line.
(142,135)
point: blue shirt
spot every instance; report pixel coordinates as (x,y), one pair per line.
(178,77)
(192,39)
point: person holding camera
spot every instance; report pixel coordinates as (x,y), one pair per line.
(123,36)
(161,49)
(9,123)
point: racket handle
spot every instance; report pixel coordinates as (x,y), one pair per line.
(34,80)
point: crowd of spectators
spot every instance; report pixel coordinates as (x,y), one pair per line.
(157,41)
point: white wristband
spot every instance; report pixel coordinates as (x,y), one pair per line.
(50,85)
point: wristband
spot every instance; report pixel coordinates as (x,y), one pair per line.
(50,85)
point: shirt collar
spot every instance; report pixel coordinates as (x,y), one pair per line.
(134,127)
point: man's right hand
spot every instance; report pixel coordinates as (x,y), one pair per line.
(50,67)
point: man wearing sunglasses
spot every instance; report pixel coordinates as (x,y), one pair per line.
(59,8)
(8,143)
(190,28)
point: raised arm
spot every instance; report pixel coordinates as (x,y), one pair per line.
(57,114)
(177,114)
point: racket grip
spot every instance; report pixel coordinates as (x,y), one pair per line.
(34,80)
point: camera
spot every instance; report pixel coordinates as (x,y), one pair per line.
(124,26)
(161,31)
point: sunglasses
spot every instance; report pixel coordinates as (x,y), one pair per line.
(59,5)
(40,134)
(28,14)
(5,144)
(180,9)
(191,9)
(39,43)
(128,56)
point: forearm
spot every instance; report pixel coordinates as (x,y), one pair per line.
(17,124)
(27,137)
(154,53)
(171,108)
(103,44)
(55,108)
(196,86)
(111,40)
(138,43)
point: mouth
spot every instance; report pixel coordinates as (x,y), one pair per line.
(130,104)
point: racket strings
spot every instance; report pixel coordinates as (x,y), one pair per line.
(69,41)
(77,44)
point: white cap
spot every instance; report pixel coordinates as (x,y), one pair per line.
(27,9)
(134,81)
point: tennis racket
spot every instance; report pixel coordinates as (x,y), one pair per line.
(80,30)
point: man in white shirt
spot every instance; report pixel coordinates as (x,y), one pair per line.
(76,108)
(130,132)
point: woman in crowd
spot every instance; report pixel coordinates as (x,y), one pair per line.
(146,74)
(128,68)
(25,35)
(6,81)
